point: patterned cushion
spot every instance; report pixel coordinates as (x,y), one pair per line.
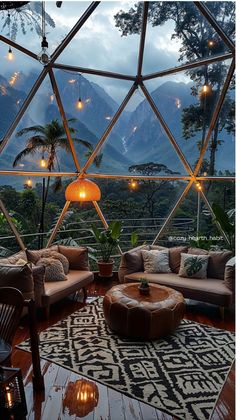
(156,261)
(57,256)
(33,256)
(53,269)
(193,266)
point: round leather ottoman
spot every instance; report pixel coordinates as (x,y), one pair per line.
(145,317)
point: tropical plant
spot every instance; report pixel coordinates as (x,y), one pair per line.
(198,41)
(226,221)
(107,240)
(143,282)
(47,140)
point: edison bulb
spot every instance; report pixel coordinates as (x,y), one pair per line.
(10,55)
(79,104)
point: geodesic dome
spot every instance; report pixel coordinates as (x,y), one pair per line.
(185,168)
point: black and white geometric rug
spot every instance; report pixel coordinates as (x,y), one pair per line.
(182,374)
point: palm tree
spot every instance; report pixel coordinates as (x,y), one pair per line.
(47,140)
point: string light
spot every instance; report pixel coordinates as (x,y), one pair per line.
(29,183)
(79,103)
(10,55)
(198,185)
(210,43)
(133,184)
(43,162)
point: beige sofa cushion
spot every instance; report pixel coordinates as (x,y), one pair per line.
(18,276)
(207,290)
(57,256)
(197,251)
(175,257)
(77,257)
(217,263)
(76,279)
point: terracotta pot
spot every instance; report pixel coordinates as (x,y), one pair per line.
(105,268)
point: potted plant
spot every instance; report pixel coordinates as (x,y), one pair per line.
(144,286)
(107,241)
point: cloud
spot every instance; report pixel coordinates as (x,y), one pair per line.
(99,44)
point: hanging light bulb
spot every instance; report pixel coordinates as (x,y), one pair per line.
(79,103)
(43,162)
(29,183)
(198,185)
(44,56)
(10,55)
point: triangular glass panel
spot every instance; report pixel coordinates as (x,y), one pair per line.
(187,106)
(99,44)
(16,80)
(224,14)
(100,99)
(42,110)
(220,155)
(173,40)
(142,140)
(25,24)
(147,204)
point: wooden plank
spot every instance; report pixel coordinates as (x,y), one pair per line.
(102,409)
(116,405)
(132,409)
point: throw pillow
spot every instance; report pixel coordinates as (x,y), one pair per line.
(175,257)
(18,276)
(193,266)
(229,275)
(156,261)
(33,256)
(77,257)
(217,262)
(20,262)
(131,262)
(197,251)
(53,269)
(57,256)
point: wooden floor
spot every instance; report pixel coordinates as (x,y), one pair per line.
(111,404)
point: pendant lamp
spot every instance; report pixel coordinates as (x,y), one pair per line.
(82,189)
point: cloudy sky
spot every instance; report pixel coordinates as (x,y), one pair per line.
(99,45)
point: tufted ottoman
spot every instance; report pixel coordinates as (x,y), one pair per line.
(131,314)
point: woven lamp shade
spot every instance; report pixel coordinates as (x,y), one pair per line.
(82,190)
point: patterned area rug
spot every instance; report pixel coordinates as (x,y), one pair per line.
(182,374)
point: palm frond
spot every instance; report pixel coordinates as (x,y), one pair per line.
(34,128)
(25,152)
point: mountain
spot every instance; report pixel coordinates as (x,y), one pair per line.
(137,137)
(145,139)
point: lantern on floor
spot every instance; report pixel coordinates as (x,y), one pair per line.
(82,189)
(12,395)
(81,397)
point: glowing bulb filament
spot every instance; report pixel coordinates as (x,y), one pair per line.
(10,55)
(82,194)
(43,163)
(79,104)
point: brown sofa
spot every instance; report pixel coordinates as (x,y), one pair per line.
(30,279)
(218,288)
